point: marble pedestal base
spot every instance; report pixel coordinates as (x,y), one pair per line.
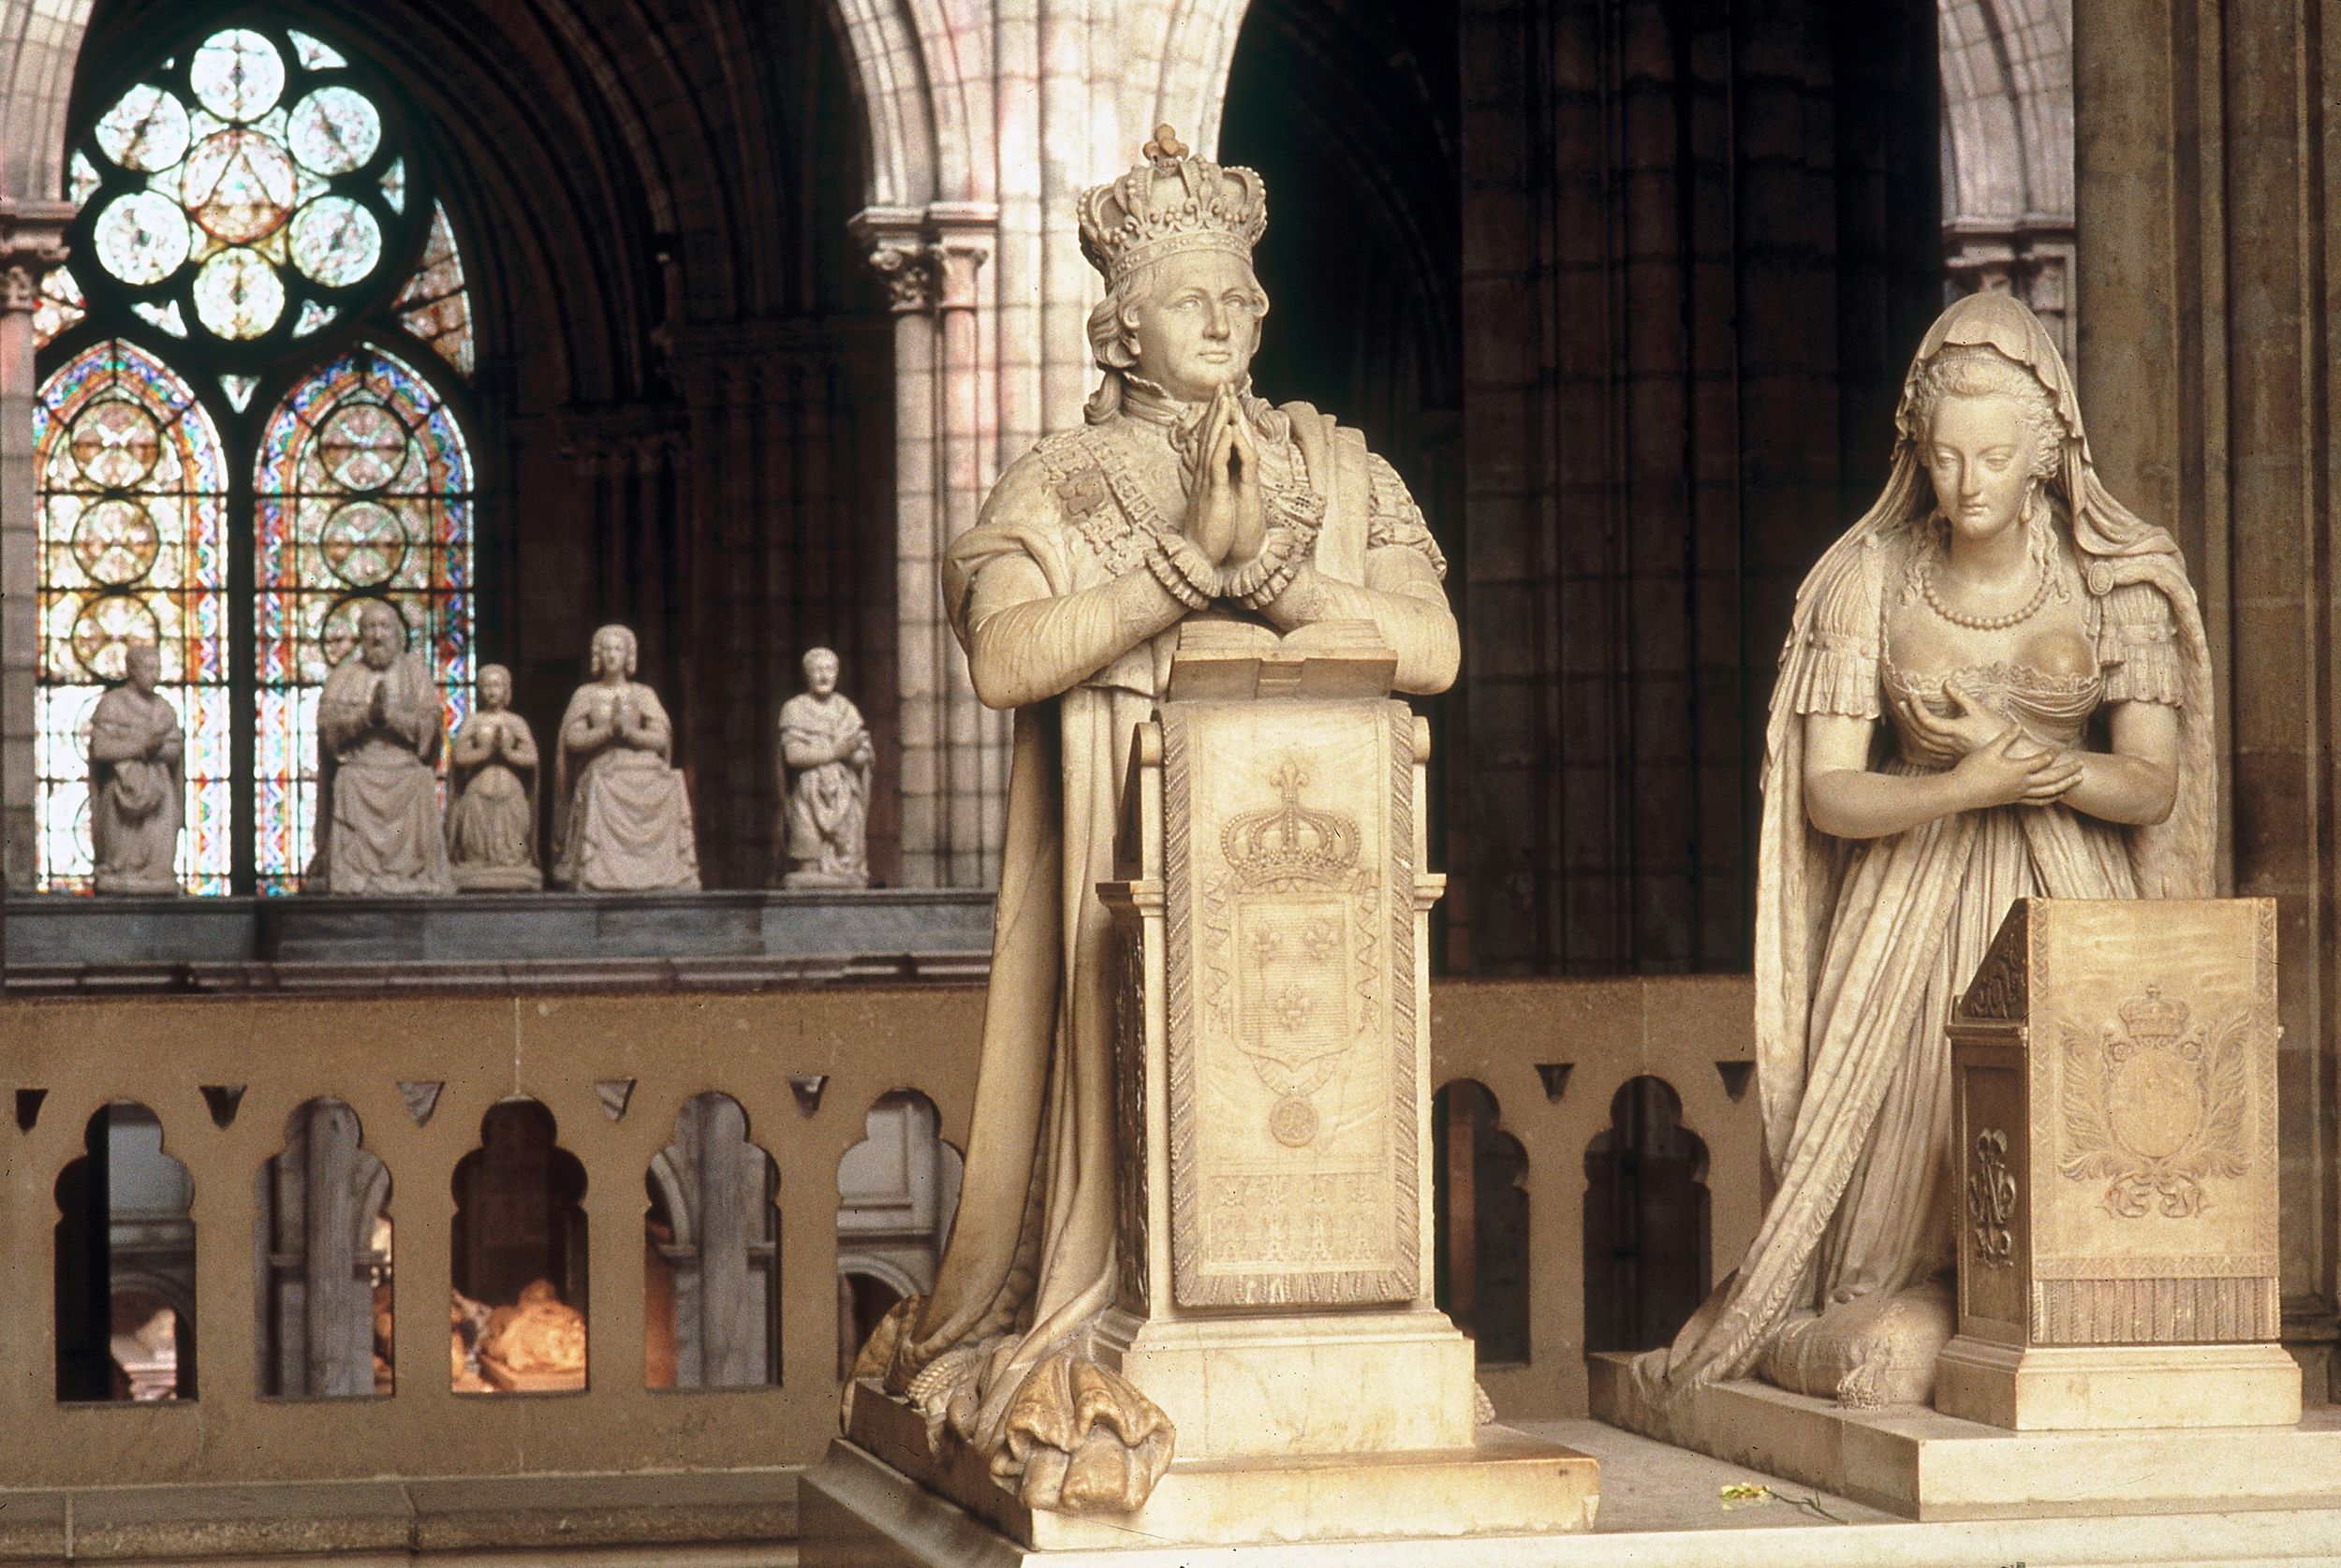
(1923,1464)
(1503,1483)
(2117,1388)
(1359,1383)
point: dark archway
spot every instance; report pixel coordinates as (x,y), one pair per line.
(1647,1212)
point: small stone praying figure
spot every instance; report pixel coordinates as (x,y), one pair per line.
(492,819)
(824,742)
(620,815)
(137,782)
(379,728)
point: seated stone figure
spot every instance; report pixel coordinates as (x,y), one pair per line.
(137,782)
(491,816)
(379,726)
(824,742)
(621,815)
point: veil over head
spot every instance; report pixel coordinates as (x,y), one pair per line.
(1801,872)
(1799,867)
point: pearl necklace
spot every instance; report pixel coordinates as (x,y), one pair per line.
(1925,575)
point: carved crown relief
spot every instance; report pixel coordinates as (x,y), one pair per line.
(2154,1106)
(1284,966)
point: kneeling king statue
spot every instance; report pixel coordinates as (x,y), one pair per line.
(1182,495)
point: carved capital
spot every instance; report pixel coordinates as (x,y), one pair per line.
(19,288)
(909,273)
(928,256)
(32,240)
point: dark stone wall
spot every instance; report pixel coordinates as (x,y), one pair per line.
(1699,240)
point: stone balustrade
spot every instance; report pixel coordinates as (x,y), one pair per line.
(222,1075)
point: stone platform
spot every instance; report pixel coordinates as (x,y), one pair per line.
(1505,1481)
(1919,1463)
(58,942)
(1661,1507)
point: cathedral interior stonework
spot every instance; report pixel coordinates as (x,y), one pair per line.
(585,589)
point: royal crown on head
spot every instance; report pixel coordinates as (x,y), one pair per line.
(1171,201)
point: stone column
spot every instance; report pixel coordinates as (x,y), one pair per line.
(954,751)
(31,241)
(2209,276)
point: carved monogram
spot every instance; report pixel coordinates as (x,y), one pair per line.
(1992,1200)
(2153,1107)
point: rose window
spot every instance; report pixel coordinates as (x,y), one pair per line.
(250,193)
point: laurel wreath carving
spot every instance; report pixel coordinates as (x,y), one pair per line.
(2139,1182)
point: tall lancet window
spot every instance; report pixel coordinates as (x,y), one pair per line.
(254,417)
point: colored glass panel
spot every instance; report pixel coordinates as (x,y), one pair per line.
(133,546)
(435,304)
(236,75)
(336,242)
(314,54)
(243,198)
(363,487)
(335,130)
(60,305)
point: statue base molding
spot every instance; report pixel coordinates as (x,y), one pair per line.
(1357,1384)
(1503,1481)
(2117,1388)
(1923,1464)
(498,879)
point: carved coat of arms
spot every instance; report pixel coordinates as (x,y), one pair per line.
(1293,947)
(2154,1106)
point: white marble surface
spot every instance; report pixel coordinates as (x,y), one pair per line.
(1661,1507)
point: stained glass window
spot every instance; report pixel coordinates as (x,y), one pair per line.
(365,491)
(435,305)
(133,541)
(254,215)
(60,305)
(247,192)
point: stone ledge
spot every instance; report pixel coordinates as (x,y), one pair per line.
(1915,1462)
(57,930)
(1661,1505)
(394,1521)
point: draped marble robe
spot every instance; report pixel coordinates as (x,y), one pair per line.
(378,827)
(137,791)
(1862,946)
(1000,1350)
(492,817)
(829,799)
(620,815)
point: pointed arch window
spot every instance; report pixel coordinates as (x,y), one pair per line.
(133,546)
(268,295)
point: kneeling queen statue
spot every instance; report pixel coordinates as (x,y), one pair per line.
(1182,495)
(1995,686)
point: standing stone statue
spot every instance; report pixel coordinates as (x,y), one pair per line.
(137,782)
(1182,491)
(491,814)
(380,727)
(2030,657)
(621,815)
(825,743)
